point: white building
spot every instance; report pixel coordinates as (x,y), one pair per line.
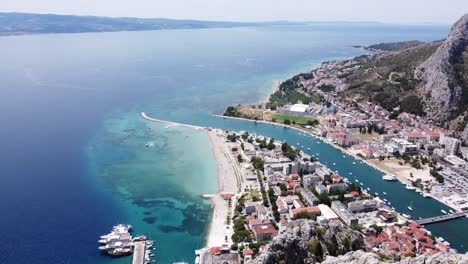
(300,108)
(327,213)
(457,162)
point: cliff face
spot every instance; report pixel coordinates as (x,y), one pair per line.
(305,241)
(298,244)
(443,90)
(361,257)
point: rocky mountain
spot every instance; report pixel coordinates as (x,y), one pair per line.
(444,77)
(361,257)
(306,241)
(422,78)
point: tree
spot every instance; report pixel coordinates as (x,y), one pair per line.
(257,162)
(356,244)
(317,250)
(287,122)
(239,158)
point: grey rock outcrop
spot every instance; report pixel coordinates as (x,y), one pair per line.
(292,245)
(361,257)
(440,90)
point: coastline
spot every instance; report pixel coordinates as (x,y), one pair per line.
(400,178)
(228,183)
(228,177)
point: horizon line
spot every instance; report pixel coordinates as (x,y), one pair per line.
(428,23)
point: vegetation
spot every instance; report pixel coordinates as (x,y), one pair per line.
(289,151)
(233,137)
(301,120)
(437,175)
(241,234)
(389,80)
(274,207)
(257,162)
(262,190)
(316,248)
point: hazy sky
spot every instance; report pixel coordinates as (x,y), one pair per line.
(400,11)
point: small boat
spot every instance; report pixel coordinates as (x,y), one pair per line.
(451,211)
(376,193)
(426,195)
(350,173)
(406,216)
(317,154)
(388,177)
(308,148)
(444,212)
(344,156)
(297,144)
(393,208)
(389,203)
(385,200)
(361,184)
(356,180)
(384,193)
(368,188)
(334,163)
(410,206)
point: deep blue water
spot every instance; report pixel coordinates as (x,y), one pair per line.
(69,113)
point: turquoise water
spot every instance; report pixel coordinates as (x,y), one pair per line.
(74,149)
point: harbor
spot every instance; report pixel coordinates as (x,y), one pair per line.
(119,242)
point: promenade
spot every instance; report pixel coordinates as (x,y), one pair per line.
(139,253)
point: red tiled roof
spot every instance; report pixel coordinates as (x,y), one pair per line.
(310,210)
(247,252)
(215,251)
(264,229)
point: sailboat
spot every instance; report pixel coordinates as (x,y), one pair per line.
(410,207)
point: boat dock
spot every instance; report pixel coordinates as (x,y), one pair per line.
(440,218)
(139,252)
(169,123)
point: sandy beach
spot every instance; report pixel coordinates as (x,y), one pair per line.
(228,182)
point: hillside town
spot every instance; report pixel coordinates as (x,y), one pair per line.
(419,153)
(281,184)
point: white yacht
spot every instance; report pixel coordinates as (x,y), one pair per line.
(388,177)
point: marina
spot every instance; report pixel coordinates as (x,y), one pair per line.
(119,243)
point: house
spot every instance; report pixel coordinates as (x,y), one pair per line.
(345,215)
(337,186)
(321,189)
(311,210)
(309,197)
(363,206)
(264,232)
(261,211)
(250,207)
(258,222)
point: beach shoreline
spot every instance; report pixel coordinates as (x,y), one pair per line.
(228,183)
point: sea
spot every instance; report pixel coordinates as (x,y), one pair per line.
(76,158)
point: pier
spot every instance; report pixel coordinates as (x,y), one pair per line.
(139,252)
(440,218)
(169,123)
